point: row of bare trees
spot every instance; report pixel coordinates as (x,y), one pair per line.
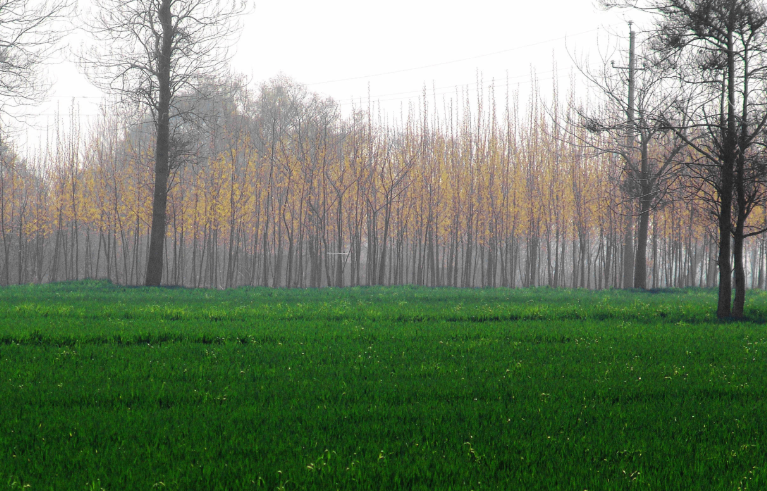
(279,189)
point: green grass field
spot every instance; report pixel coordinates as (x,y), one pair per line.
(379,388)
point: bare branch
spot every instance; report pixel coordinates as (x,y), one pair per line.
(29,35)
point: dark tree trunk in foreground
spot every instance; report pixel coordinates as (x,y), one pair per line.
(161,166)
(724,306)
(640,269)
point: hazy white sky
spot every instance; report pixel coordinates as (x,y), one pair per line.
(339,48)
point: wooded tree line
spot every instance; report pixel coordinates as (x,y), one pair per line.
(275,188)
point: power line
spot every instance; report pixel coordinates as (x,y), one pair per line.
(454,86)
(75,97)
(449,89)
(403,70)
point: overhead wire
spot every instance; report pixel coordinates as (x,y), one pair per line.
(412,93)
(446,89)
(449,62)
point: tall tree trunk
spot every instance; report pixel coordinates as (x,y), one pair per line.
(740,272)
(628,252)
(645,200)
(760,264)
(724,303)
(161,164)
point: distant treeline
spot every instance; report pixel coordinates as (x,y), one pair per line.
(275,187)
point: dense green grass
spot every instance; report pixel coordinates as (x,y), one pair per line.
(379,388)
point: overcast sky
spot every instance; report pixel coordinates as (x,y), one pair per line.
(339,48)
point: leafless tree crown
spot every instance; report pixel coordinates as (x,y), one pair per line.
(29,34)
(123,59)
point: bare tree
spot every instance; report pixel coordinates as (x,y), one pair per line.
(28,36)
(155,53)
(713,56)
(626,127)
(716,54)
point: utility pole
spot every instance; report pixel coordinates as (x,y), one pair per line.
(628,240)
(632,69)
